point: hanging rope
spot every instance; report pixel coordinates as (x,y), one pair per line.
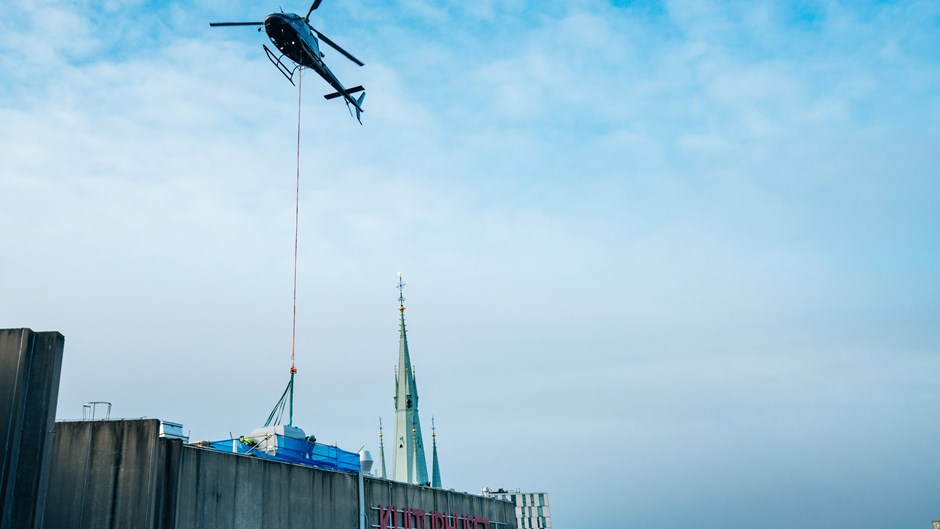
(293,339)
(287,398)
(278,412)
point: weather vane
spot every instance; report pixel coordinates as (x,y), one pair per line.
(401,293)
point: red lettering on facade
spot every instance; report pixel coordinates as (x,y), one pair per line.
(392,517)
(386,515)
(419,518)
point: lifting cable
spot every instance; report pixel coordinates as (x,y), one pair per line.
(293,338)
(287,398)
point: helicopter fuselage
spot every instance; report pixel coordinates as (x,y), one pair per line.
(295,39)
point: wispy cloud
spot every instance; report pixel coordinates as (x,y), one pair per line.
(691,242)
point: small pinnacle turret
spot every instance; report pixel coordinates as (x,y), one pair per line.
(381,470)
(435,466)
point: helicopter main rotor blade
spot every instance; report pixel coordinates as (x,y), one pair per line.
(316,4)
(336,47)
(222,24)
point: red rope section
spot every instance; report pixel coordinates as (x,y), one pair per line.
(293,338)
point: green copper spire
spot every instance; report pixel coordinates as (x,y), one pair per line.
(435,466)
(409,464)
(381,470)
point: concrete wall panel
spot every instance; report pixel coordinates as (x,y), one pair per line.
(207,491)
(105,475)
(166,488)
(301,504)
(223,491)
(30,367)
(276,497)
(249,505)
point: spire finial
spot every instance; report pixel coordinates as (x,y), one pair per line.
(433,428)
(401,294)
(381,435)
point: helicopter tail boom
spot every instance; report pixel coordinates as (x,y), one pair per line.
(348,99)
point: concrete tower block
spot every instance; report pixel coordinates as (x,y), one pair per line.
(30,365)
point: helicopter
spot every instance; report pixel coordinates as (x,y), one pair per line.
(297,40)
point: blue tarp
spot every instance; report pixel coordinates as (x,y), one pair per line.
(299,451)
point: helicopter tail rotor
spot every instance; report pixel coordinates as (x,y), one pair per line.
(359,107)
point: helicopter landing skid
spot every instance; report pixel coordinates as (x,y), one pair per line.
(288,73)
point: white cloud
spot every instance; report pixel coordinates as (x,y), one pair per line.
(700,254)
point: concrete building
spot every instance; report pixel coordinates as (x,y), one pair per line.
(123,474)
(140,474)
(532,509)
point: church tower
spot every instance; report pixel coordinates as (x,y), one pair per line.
(408,464)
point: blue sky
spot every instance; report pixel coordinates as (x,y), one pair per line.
(675,263)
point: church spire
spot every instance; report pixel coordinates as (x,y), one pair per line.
(435,466)
(409,464)
(381,469)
